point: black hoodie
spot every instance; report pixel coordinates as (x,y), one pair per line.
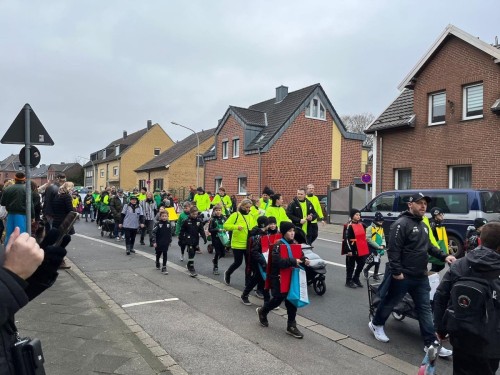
(482,261)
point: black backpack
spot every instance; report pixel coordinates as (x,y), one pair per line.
(472,311)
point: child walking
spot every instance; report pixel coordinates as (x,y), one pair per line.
(215,227)
(191,230)
(182,218)
(376,244)
(161,238)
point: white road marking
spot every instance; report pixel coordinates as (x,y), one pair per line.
(148,302)
(324,239)
(335,264)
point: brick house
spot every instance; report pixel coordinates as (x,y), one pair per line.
(73,171)
(285,142)
(176,168)
(115,164)
(442,131)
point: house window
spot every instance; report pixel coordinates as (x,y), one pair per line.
(224,150)
(157,152)
(242,185)
(158,183)
(102,172)
(473,102)
(115,171)
(117,150)
(89,173)
(142,183)
(316,109)
(402,178)
(437,108)
(460,177)
(218,183)
(236,148)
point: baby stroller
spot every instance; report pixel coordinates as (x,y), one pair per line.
(315,271)
(107,225)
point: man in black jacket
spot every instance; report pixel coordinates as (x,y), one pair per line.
(301,211)
(27,271)
(408,251)
(472,355)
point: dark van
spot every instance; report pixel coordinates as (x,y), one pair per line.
(461,207)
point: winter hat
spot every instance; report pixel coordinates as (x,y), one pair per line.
(353,212)
(200,189)
(271,220)
(436,211)
(285,226)
(132,196)
(262,221)
(267,191)
(378,217)
(479,222)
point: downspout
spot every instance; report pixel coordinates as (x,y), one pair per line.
(374,171)
(260,171)
(380,162)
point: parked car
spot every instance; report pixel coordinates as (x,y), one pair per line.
(461,207)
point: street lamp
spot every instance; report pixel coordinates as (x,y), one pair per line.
(197,151)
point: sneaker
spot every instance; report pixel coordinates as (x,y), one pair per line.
(128,252)
(262,318)
(259,294)
(358,283)
(117,238)
(443,352)
(192,272)
(294,331)
(64,265)
(157,265)
(227,278)
(245,300)
(350,284)
(365,273)
(132,251)
(99,227)
(182,258)
(378,332)
(164,270)
(216,271)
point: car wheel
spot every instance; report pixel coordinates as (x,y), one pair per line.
(454,245)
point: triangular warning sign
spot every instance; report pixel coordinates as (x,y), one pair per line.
(16,133)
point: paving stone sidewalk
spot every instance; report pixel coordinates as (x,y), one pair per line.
(81,335)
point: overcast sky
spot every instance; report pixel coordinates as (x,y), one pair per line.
(91,69)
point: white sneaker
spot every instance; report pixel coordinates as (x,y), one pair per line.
(378,332)
(443,352)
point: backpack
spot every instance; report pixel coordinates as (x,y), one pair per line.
(472,311)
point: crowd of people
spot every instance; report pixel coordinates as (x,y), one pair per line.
(258,231)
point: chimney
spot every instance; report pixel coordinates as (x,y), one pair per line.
(150,124)
(281,93)
(124,134)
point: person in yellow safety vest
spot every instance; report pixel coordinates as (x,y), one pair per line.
(439,233)
(265,199)
(313,225)
(142,195)
(276,210)
(224,200)
(202,200)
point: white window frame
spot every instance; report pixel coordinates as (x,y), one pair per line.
(316,112)
(465,100)
(225,149)
(451,170)
(432,97)
(156,151)
(89,173)
(115,171)
(102,173)
(218,184)
(242,185)
(236,148)
(396,178)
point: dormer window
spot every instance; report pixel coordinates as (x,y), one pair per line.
(316,109)
(117,150)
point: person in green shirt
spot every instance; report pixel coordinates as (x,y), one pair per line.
(276,210)
(301,212)
(313,225)
(265,199)
(142,195)
(201,200)
(224,200)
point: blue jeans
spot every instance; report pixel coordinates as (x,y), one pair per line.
(419,289)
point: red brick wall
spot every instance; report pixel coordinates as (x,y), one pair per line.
(429,150)
(350,166)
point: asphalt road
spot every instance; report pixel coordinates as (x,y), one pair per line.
(208,330)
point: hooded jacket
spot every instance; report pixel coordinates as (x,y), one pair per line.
(239,237)
(294,212)
(409,246)
(486,264)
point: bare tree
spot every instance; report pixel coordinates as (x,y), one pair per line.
(358,123)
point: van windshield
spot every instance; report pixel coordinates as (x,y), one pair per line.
(490,201)
(453,203)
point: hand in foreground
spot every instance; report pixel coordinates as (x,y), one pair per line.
(450,259)
(399,277)
(22,255)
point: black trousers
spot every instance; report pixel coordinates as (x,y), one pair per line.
(256,279)
(161,250)
(312,232)
(219,251)
(130,234)
(350,262)
(467,364)
(277,299)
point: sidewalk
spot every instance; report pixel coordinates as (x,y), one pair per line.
(83,333)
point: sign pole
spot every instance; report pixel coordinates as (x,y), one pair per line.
(27,165)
